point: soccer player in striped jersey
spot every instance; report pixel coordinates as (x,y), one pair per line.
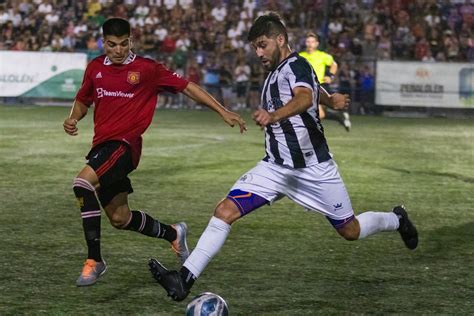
(297,163)
(123,88)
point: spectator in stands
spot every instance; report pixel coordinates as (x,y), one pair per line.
(428,57)
(256,79)
(93,7)
(45,7)
(227,84)
(421,49)
(384,47)
(170,4)
(242,77)
(219,12)
(212,78)
(357,30)
(168,46)
(367,89)
(451,46)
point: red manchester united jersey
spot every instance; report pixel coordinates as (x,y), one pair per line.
(125,97)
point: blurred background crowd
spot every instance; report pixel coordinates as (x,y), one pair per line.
(205,40)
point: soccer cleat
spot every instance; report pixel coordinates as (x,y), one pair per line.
(91,271)
(346,122)
(170,280)
(179,245)
(406,229)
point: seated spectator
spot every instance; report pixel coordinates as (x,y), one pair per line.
(93,7)
(45,7)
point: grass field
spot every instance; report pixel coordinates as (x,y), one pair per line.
(280,260)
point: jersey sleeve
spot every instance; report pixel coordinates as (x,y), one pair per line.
(301,74)
(166,80)
(85,95)
(328,59)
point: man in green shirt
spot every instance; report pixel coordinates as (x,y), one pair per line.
(320,61)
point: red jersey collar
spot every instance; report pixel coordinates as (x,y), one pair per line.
(130,58)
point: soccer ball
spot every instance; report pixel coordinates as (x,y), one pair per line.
(207,304)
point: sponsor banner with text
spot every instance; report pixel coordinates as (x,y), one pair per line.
(41,74)
(448,85)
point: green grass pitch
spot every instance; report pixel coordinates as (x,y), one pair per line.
(279,260)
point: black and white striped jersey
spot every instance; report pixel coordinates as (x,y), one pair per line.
(298,141)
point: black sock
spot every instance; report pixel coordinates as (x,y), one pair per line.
(188,277)
(145,224)
(335,115)
(90,213)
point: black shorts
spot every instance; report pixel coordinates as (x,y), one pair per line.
(241,89)
(112,162)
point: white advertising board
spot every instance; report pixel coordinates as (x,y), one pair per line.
(449,85)
(40,74)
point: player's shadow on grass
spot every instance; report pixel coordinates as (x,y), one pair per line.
(432,173)
(448,241)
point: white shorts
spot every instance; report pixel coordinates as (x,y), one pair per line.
(317,188)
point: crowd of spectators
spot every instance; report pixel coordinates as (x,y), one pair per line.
(205,40)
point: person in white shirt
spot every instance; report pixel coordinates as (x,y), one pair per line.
(45,7)
(219,13)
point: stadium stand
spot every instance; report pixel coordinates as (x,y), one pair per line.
(206,35)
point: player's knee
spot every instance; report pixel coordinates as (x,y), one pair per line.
(81,187)
(85,195)
(227,211)
(350,232)
(118,220)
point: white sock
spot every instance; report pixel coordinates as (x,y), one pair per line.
(374,222)
(209,244)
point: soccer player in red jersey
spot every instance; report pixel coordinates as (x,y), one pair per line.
(124,89)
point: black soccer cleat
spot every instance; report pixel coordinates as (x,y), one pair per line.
(170,280)
(406,229)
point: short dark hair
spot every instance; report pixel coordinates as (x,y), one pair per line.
(116,27)
(270,25)
(311,34)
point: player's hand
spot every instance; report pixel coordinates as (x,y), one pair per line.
(327,79)
(70,126)
(262,118)
(232,118)
(340,102)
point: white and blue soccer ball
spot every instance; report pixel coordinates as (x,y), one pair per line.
(207,304)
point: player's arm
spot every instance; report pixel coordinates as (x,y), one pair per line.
(78,111)
(302,100)
(201,96)
(332,73)
(335,101)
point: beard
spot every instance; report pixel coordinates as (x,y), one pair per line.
(275,60)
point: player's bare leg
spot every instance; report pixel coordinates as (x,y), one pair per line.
(369,223)
(322,112)
(351,230)
(121,217)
